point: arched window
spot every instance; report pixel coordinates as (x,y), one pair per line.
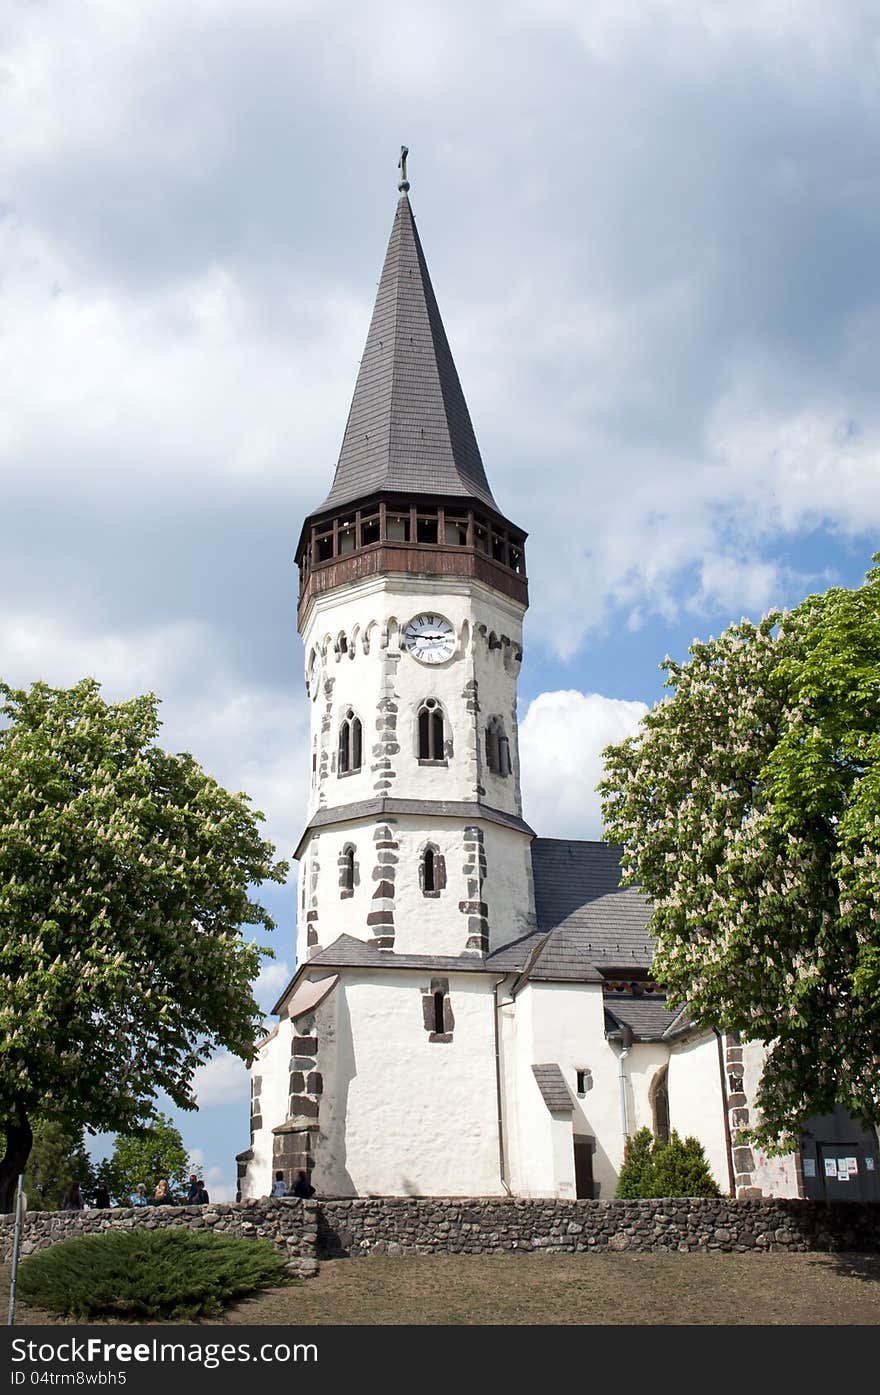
(346,871)
(658,1096)
(431,730)
(497,747)
(432,871)
(349,743)
(428,864)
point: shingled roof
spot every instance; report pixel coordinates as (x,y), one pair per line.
(588,918)
(409,430)
(648,1020)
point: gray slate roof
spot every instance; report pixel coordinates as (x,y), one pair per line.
(409,430)
(347,952)
(649,1020)
(588,918)
(554,1091)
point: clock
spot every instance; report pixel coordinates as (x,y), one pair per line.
(430,639)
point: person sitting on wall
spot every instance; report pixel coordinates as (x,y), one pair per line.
(162,1195)
(302,1186)
(202,1197)
(195,1187)
(279,1186)
(139,1196)
(102,1197)
(72,1199)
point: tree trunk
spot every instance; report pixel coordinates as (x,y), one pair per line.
(19,1141)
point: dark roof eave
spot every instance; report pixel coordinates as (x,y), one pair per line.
(383,807)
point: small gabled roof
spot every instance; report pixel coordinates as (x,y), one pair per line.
(409,430)
(554,1091)
(647,1020)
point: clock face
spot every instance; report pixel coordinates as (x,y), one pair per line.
(430,639)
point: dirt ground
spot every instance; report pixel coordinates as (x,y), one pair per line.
(638,1290)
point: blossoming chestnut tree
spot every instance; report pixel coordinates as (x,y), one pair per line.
(125,874)
(748,806)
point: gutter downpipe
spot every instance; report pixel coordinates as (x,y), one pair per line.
(726,1107)
(502,1162)
(626,1041)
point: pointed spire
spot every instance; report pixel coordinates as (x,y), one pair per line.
(409,430)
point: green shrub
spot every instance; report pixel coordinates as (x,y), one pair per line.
(679,1168)
(655,1168)
(148,1274)
(636,1165)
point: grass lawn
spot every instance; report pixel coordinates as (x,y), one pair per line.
(606,1288)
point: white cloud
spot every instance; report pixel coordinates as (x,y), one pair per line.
(272,978)
(223,1080)
(561,739)
(250,740)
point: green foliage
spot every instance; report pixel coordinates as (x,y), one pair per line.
(147,1275)
(145,1157)
(748,806)
(636,1165)
(655,1168)
(58,1157)
(679,1168)
(124,881)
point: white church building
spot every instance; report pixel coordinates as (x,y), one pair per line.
(472,1011)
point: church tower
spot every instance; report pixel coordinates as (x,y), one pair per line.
(472,1011)
(412,596)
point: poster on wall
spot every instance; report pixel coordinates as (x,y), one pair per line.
(830,1167)
(809,1167)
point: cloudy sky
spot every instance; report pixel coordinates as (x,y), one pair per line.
(652,226)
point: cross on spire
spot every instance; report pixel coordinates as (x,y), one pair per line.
(403,186)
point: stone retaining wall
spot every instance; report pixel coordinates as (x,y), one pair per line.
(308,1231)
(482,1226)
(290,1224)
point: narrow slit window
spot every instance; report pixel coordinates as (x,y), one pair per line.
(431,730)
(497,747)
(429,870)
(438,1012)
(346,879)
(350,743)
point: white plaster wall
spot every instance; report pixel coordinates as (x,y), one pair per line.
(271,1065)
(564,1023)
(529,1134)
(696,1106)
(409,1116)
(640,1067)
(423,924)
(508,890)
(775,1176)
(376,611)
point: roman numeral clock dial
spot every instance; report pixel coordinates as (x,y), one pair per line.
(430,639)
